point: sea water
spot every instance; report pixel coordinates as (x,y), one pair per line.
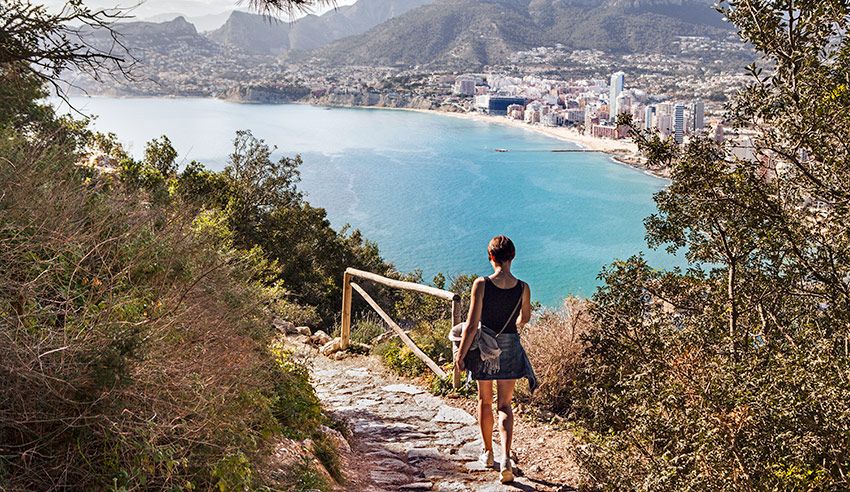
(431,190)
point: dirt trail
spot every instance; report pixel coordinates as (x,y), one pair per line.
(405,438)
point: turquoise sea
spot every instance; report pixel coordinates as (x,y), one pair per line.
(429,189)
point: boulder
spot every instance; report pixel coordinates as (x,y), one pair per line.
(285,327)
(330,347)
(320,338)
(303,330)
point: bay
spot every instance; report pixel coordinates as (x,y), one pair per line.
(429,189)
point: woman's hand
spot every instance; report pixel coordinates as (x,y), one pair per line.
(459,361)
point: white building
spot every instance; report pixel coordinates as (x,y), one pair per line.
(648,114)
(618,81)
(679,123)
(698,112)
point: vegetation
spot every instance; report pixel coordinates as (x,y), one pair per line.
(476,33)
(554,343)
(733,374)
(136,344)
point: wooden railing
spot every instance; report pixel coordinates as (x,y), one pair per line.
(349,285)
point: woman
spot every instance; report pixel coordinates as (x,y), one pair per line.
(502,305)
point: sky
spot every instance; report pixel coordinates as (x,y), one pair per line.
(191,8)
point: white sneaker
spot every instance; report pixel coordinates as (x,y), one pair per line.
(506,472)
(487,459)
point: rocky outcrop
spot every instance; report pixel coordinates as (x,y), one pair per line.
(264,94)
(373,100)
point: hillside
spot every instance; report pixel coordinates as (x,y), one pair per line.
(252,33)
(258,34)
(479,32)
(178,39)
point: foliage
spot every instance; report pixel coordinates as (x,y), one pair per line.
(266,210)
(44,42)
(325,450)
(298,314)
(367,328)
(553,341)
(135,339)
(295,404)
(733,374)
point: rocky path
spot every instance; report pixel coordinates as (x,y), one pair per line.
(403,437)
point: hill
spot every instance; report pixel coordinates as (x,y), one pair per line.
(261,35)
(252,33)
(176,38)
(470,33)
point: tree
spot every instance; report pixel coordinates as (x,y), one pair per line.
(732,375)
(160,155)
(46,43)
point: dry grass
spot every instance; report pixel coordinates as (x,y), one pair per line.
(553,343)
(133,344)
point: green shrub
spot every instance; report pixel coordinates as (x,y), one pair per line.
(297,314)
(367,328)
(295,404)
(304,477)
(733,374)
(325,450)
(398,357)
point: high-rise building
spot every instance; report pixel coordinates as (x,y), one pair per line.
(618,81)
(679,123)
(648,113)
(698,112)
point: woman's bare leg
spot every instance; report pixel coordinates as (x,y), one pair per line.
(485,413)
(505,395)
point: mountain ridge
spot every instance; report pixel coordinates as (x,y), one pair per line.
(473,33)
(260,34)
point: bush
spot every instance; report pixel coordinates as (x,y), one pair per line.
(134,346)
(297,314)
(398,357)
(554,344)
(366,329)
(733,374)
(432,339)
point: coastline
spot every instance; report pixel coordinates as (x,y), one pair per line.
(622,152)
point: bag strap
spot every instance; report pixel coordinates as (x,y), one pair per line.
(513,313)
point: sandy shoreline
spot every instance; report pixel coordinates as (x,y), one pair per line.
(623,152)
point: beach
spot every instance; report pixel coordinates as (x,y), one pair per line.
(624,151)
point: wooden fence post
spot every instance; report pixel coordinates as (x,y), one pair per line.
(457,317)
(345,329)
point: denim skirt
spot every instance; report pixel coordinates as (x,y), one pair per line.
(513,362)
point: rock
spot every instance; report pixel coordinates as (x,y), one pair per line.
(423,453)
(303,330)
(330,347)
(302,339)
(403,388)
(384,477)
(476,466)
(340,355)
(417,486)
(284,327)
(337,437)
(453,415)
(320,338)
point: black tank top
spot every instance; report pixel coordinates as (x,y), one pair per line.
(499,304)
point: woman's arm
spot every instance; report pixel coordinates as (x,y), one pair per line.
(525,310)
(472,320)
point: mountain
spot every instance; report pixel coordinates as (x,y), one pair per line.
(259,34)
(177,36)
(202,23)
(252,33)
(315,31)
(471,33)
